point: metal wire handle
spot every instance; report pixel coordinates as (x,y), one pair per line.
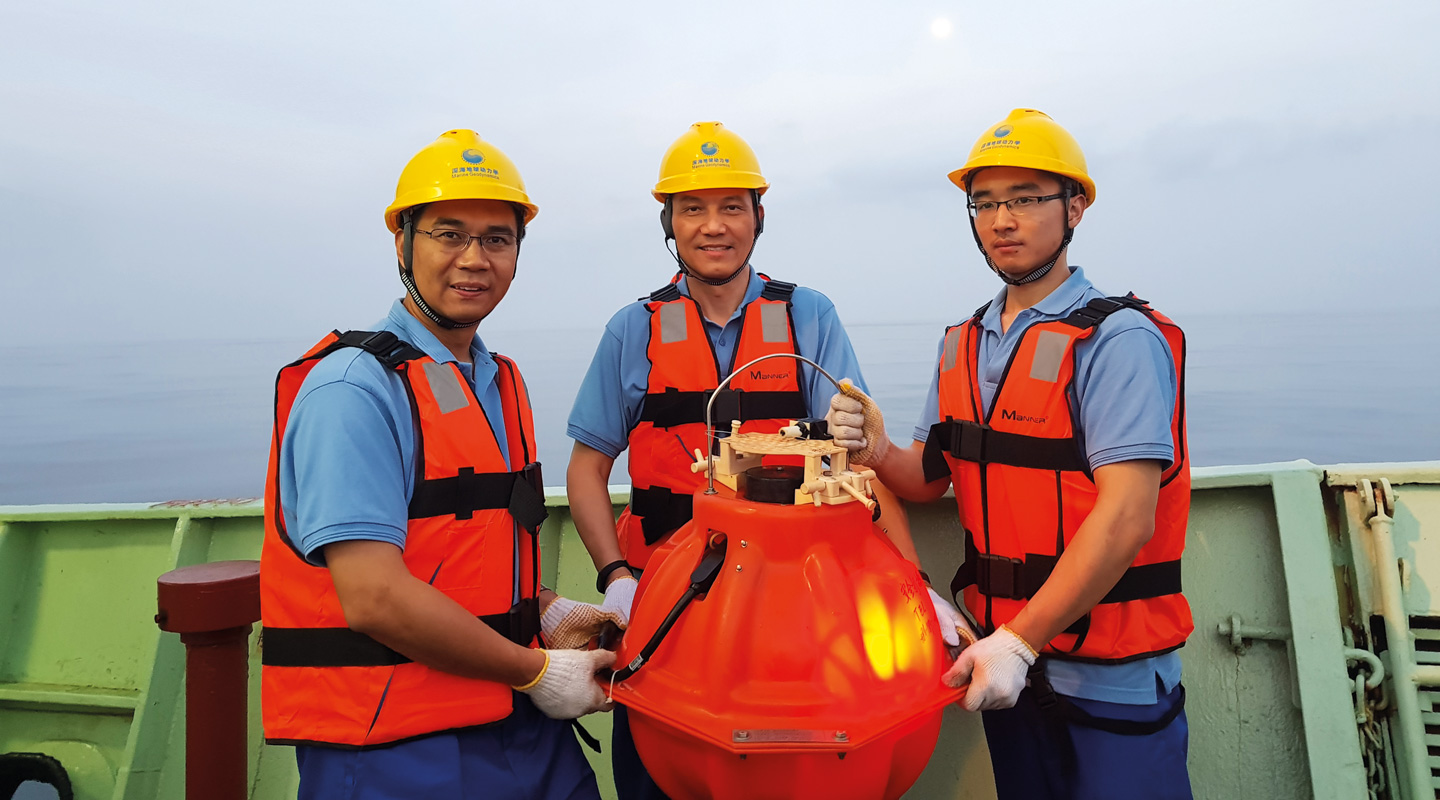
(709,406)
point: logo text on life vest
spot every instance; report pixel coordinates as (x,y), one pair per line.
(758,375)
(1006,413)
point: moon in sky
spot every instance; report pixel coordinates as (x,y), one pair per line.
(940,28)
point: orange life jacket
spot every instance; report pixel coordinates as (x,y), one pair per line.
(1024,486)
(472,534)
(684,371)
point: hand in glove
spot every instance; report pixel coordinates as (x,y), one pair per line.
(857,425)
(566,687)
(995,667)
(619,597)
(569,624)
(953,625)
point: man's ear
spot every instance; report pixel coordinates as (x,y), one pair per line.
(1076,210)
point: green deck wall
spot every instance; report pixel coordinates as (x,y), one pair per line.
(86,676)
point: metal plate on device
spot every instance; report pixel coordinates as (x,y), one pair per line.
(787,736)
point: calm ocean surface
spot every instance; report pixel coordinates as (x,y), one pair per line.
(154,421)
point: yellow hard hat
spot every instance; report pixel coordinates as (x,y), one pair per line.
(709,157)
(1027,138)
(458,166)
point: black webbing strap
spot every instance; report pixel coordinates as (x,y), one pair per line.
(1095,312)
(661,511)
(1020,579)
(664,294)
(389,349)
(673,407)
(1058,705)
(585,736)
(971,441)
(343,647)
(469,491)
(778,290)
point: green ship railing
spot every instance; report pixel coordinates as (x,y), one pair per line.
(1310,672)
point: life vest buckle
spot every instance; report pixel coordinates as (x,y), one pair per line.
(967,440)
(727,407)
(998,576)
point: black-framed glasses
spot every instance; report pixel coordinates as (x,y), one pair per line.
(1017,206)
(449,239)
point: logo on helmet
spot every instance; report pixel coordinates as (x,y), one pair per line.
(1002,131)
(709,148)
(473,156)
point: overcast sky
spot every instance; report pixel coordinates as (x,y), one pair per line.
(219,170)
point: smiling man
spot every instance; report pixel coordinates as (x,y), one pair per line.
(660,358)
(1058,416)
(399,579)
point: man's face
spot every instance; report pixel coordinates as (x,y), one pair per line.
(1020,242)
(714,229)
(464,282)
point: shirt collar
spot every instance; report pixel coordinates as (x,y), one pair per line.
(1054,305)
(414,331)
(752,290)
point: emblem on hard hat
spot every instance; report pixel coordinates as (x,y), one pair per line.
(473,156)
(1002,131)
(709,148)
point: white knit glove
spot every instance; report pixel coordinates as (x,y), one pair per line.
(857,425)
(566,687)
(995,667)
(569,624)
(620,597)
(953,625)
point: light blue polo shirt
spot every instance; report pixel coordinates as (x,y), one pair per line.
(1125,390)
(347,462)
(608,404)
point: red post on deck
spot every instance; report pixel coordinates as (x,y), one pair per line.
(212,607)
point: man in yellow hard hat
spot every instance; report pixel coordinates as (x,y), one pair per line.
(660,359)
(400,595)
(1058,415)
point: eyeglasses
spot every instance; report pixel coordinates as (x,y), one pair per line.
(496,244)
(1017,206)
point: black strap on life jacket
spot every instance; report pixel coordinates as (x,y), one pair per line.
(518,492)
(777,290)
(661,511)
(1059,706)
(1021,578)
(673,407)
(390,350)
(1096,311)
(664,294)
(979,443)
(343,647)
(585,736)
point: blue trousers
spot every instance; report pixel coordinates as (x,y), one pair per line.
(526,757)
(1037,756)
(632,780)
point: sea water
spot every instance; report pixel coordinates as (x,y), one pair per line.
(166,420)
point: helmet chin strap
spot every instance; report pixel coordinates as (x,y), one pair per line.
(1034,274)
(407,276)
(685,268)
